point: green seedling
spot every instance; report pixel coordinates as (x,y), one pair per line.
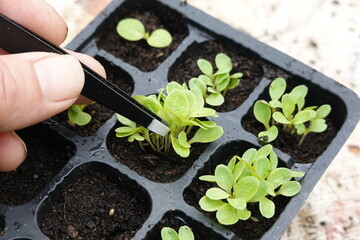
(213,86)
(287,110)
(133,30)
(77,115)
(252,178)
(185,233)
(182,109)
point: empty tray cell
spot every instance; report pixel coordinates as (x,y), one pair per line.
(308,151)
(250,229)
(242,59)
(94,202)
(150,164)
(48,153)
(153,15)
(99,114)
(176,219)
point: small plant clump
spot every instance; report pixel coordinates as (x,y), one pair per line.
(182,109)
(133,30)
(185,233)
(77,116)
(213,85)
(287,111)
(252,178)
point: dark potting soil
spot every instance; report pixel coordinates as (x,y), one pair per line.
(84,210)
(139,53)
(312,147)
(151,165)
(48,152)
(99,113)
(242,61)
(250,229)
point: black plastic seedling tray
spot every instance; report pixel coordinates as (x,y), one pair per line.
(170,203)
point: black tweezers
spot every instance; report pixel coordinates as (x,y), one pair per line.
(15,38)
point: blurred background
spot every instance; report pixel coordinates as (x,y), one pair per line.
(324,34)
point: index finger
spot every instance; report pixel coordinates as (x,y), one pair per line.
(38,16)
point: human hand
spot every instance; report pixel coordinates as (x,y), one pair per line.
(35,86)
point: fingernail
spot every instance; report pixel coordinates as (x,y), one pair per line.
(61,77)
(22,143)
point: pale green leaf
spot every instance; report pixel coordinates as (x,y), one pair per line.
(232,163)
(288,105)
(183,140)
(77,116)
(125,121)
(275,104)
(196,83)
(173,85)
(246,187)
(289,189)
(208,178)
(268,135)
(131,29)
(223,62)
(262,113)
(237,203)
(323,111)
(300,128)
(264,151)
(273,158)
(249,155)
(177,101)
(215,99)
(317,125)
(279,176)
(205,67)
(210,205)
(224,177)
(226,215)
(203,112)
(280,118)
(185,233)
(206,79)
(262,166)
(267,207)
(179,148)
(303,116)
(238,170)
(243,214)
(277,88)
(160,38)
(223,85)
(236,75)
(216,194)
(168,233)
(233,83)
(207,135)
(261,192)
(152,104)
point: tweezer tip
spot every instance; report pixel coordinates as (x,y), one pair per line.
(158,127)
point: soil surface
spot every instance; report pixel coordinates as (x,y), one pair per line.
(99,113)
(139,53)
(154,166)
(311,148)
(242,61)
(93,207)
(47,153)
(251,229)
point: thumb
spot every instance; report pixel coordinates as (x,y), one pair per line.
(35,86)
